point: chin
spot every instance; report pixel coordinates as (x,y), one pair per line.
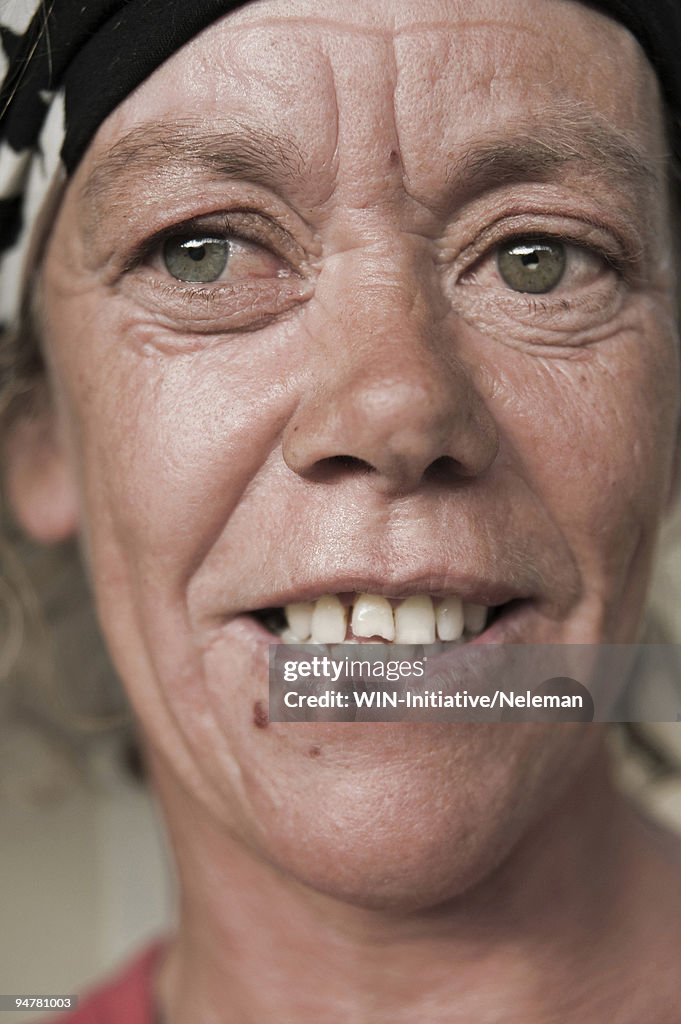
(404,817)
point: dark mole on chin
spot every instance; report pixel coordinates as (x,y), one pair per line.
(260,717)
(315,751)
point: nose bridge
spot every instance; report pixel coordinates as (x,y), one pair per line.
(397,367)
(391,394)
(390,314)
(397,270)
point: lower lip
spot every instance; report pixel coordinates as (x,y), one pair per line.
(452,666)
(506,627)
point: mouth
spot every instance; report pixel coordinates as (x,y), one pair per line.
(355,618)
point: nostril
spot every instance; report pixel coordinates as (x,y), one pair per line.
(442,469)
(334,467)
(349,462)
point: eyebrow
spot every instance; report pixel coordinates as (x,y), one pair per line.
(524,150)
(233,150)
(541,150)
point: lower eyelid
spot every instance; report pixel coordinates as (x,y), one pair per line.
(545,322)
(219,308)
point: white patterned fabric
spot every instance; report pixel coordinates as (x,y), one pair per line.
(64,66)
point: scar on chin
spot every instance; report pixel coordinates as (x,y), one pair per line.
(260,717)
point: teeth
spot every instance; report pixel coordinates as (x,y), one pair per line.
(329,621)
(415,621)
(449,618)
(299,618)
(289,637)
(373,616)
(474,617)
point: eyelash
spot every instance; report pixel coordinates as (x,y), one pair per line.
(608,258)
(224,226)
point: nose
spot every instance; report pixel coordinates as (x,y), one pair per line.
(391,399)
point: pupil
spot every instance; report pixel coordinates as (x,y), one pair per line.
(196,253)
(532,265)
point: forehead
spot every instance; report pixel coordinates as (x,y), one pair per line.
(417,78)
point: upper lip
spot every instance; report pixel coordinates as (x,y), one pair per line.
(471,589)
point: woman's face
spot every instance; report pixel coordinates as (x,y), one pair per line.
(360,394)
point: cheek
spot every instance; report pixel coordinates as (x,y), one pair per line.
(167,442)
(593,434)
(167,446)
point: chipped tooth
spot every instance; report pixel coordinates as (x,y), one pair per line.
(449,618)
(329,620)
(299,618)
(474,617)
(372,615)
(415,620)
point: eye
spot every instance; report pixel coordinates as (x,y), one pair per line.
(222,272)
(532,265)
(196,259)
(231,250)
(538,265)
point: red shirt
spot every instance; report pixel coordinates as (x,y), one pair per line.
(126,999)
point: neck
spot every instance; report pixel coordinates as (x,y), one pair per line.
(255,940)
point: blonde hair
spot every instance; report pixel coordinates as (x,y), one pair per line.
(64,717)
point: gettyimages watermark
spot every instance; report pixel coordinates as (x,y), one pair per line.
(475,683)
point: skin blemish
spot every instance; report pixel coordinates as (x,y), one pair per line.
(260,717)
(314,751)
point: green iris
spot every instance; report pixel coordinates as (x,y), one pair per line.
(532,265)
(195,259)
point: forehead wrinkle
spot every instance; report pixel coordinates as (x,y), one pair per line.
(323,23)
(151,152)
